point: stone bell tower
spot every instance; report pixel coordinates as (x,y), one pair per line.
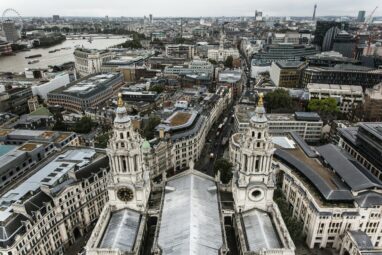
(253,181)
(130,185)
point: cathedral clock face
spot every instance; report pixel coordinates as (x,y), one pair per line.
(125,194)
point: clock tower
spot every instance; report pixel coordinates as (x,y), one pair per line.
(253,181)
(130,183)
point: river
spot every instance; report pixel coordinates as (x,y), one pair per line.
(18,62)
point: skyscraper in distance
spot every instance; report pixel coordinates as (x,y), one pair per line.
(361,16)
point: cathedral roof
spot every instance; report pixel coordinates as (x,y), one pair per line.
(190,222)
(259,231)
(121,230)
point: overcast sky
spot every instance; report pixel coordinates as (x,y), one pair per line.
(186,8)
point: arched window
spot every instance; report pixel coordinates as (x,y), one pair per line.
(121,135)
(259,135)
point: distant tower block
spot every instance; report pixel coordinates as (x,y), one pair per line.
(314,12)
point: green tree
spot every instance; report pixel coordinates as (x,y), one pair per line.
(326,105)
(280,100)
(294,226)
(101,140)
(229,62)
(84,125)
(179,40)
(133,44)
(212,61)
(149,128)
(157,88)
(225,168)
(59,124)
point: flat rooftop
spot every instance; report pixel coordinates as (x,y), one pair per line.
(180,118)
(328,87)
(88,85)
(230,76)
(49,174)
(4,149)
(289,64)
(244,112)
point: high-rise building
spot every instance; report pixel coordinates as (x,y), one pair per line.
(56,18)
(327,44)
(343,75)
(361,16)
(344,43)
(10,31)
(151,19)
(323,26)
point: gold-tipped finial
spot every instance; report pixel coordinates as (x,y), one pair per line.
(260,103)
(120,101)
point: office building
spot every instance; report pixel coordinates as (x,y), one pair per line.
(187,132)
(348,97)
(15,99)
(373,103)
(329,193)
(50,84)
(281,53)
(87,92)
(361,16)
(345,44)
(88,61)
(364,144)
(180,51)
(56,18)
(52,208)
(194,67)
(342,75)
(140,96)
(23,149)
(5,48)
(234,79)
(12,34)
(329,59)
(306,124)
(327,44)
(322,26)
(287,74)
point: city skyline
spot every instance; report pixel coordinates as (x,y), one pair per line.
(197,8)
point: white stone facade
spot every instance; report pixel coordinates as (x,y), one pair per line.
(90,61)
(324,224)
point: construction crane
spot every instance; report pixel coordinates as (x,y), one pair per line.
(363,28)
(365,25)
